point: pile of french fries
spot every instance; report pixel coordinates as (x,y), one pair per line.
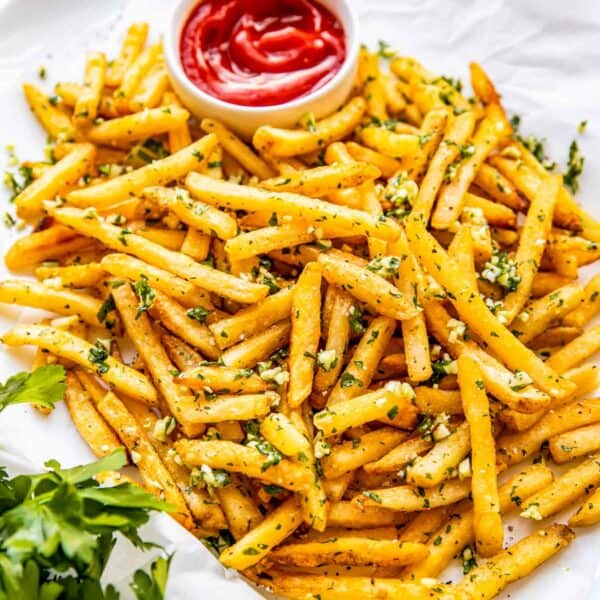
(343,334)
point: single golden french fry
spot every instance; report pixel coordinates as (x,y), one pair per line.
(93,428)
(538,315)
(133,75)
(291,142)
(258,542)
(349,551)
(554,337)
(576,351)
(95,358)
(424,524)
(564,490)
(248,353)
(531,244)
(196,244)
(253,319)
(86,107)
(183,406)
(430,135)
(588,513)
(573,444)
(57,123)
(128,267)
(348,514)
(495,214)
(368,287)
(369,79)
(408,498)
(516,447)
(283,434)
(305,333)
(393,401)
(246,460)
(138,126)
(151,88)
(489,533)
(442,460)
(241,512)
(395,145)
(457,533)
(433,401)
(320,181)
(160,172)
(64,302)
(223,379)
(353,454)
(157,479)
(238,149)
(544,283)
(130,48)
(175,262)
(176,318)
(56,180)
(589,307)
(399,457)
(498,187)
(77,276)
(317,212)
(517,561)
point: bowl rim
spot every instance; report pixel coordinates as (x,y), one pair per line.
(181,11)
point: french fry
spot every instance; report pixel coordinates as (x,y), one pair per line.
(351,455)
(399,457)
(77,276)
(537,316)
(160,172)
(177,319)
(489,533)
(442,460)
(157,479)
(312,210)
(245,460)
(86,107)
(128,267)
(64,302)
(223,379)
(253,319)
(291,142)
(283,434)
(240,510)
(407,498)
(394,145)
(387,165)
(349,551)
(130,48)
(433,401)
(196,244)
(179,264)
(305,333)
(393,401)
(193,213)
(56,180)
(498,187)
(320,181)
(555,336)
(348,514)
(93,428)
(453,536)
(248,353)
(133,75)
(236,148)
(71,347)
(576,351)
(369,79)
(531,245)
(425,523)
(183,406)
(516,447)
(56,123)
(151,88)
(587,513)
(138,126)
(573,444)
(589,307)
(368,287)
(564,490)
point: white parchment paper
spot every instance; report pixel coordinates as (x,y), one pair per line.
(544,56)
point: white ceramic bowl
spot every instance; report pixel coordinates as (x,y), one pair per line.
(245,119)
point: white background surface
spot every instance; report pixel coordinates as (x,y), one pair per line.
(544,56)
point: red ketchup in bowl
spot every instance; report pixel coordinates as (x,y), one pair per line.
(261,52)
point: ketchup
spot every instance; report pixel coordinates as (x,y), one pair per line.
(261,52)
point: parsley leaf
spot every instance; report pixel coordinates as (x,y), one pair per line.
(44,386)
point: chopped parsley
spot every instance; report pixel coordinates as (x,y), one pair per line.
(97,356)
(145,294)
